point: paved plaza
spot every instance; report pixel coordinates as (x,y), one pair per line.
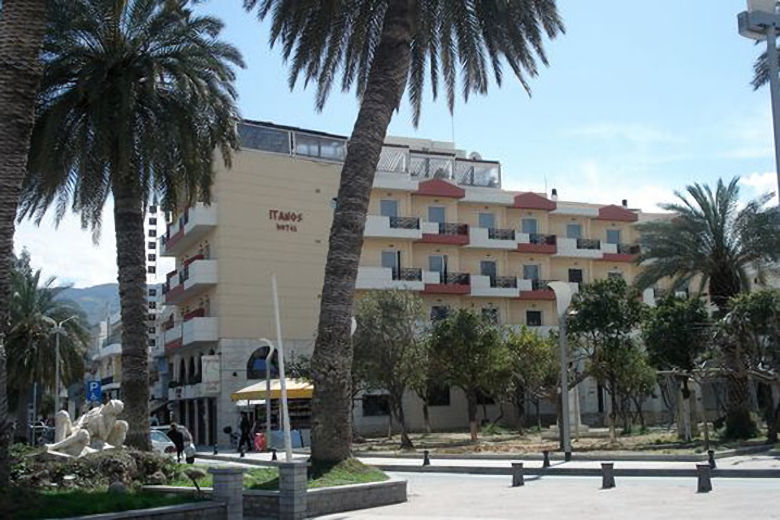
(491,497)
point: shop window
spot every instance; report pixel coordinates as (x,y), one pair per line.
(376,405)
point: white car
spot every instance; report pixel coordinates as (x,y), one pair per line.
(189,446)
(162,444)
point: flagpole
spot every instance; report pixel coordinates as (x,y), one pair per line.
(282,378)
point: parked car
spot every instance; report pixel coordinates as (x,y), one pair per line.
(162,444)
(189,445)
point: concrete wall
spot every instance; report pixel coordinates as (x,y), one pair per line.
(194,511)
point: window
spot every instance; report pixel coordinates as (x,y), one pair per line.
(376,405)
(151,257)
(439,312)
(151,269)
(613,236)
(392,260)
(575,275)
(152,305)
(490,314)
(438,264)
(487,220)
(319,146)
(388,208)
(488,268)
(255,367)
(152,291)
(438,395)
(152,233)
(152,221)
(264,138)
(436,214)
(533,318)
(152,209)
(151,330)
(151,317)
(531,272)
(529,225)
(152,342)
(151,245)
(615,275)
(573,231)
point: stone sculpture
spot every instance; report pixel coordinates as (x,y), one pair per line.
(98,429)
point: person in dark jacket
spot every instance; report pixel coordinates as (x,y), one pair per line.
(245,429)
(178,440)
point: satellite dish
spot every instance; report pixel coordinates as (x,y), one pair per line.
(474,156)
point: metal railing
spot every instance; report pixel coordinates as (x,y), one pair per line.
(588,243)
(446,228)
(405,222)
(471,172)
(537,238)
(457,279)
(501,234)
(503,282)
(540,285)
(408,274)
(628,249)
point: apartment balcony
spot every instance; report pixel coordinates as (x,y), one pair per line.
(494,286)
(535,289)
(407,278)
(453,283)
(185,390)
(536,243)
(492,238)
(445,233)
(191,332)
(188,229)
(621,252)
(579,248)
(392,227)
(392,172)
(196,276)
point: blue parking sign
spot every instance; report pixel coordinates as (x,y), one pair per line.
(94,391)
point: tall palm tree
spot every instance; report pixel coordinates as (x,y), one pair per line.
(378,46)
(34,303)
(22,26)
(726,247)
(135,98)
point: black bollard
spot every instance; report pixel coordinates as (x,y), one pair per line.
(704,475)
(517,474)
(273,454)
(607,475)
(546,463)
(711,458)
(215,449)
(241,452)
(426,459)
(567,456)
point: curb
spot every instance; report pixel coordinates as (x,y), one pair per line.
(582,472)
(584,456)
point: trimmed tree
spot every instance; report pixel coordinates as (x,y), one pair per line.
(605,314)
(136,97)
(472,356)
(383,49)
(676,332)
(390,347)
(535,368)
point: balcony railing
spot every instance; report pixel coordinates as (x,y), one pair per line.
(430,166)
(628,249)
(393,159)
(408,274)
(457,279)
(501,234)
(540,285)
(446,228)
(536,238)
(588,243)
(405,222)
(478,173)
(503,282)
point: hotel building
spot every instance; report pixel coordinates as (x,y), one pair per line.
(438,224)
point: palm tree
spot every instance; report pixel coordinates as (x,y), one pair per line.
(379,46)
(726,247)
(34,303)
(22,26)
(135,98)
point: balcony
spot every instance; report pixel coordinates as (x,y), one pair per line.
(621,252)
(492,238)
(536,243)
(188,229)
(494,286)
(535,289)
(445,233)
(408,278)
(484,174)
(196,276)
(579,248)
(453,283)
(392,227)
(392,171)
(192,332)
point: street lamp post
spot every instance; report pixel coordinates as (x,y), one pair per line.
(761,21)
(563,296)
(57,330)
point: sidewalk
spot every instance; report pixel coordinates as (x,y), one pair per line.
(743,466)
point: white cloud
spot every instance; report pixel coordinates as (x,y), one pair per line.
(760,183)
(637,133)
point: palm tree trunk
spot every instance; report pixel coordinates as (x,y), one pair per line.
(332,356)
(22,27)
(131,265)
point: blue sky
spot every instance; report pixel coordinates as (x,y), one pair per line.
(640,98)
